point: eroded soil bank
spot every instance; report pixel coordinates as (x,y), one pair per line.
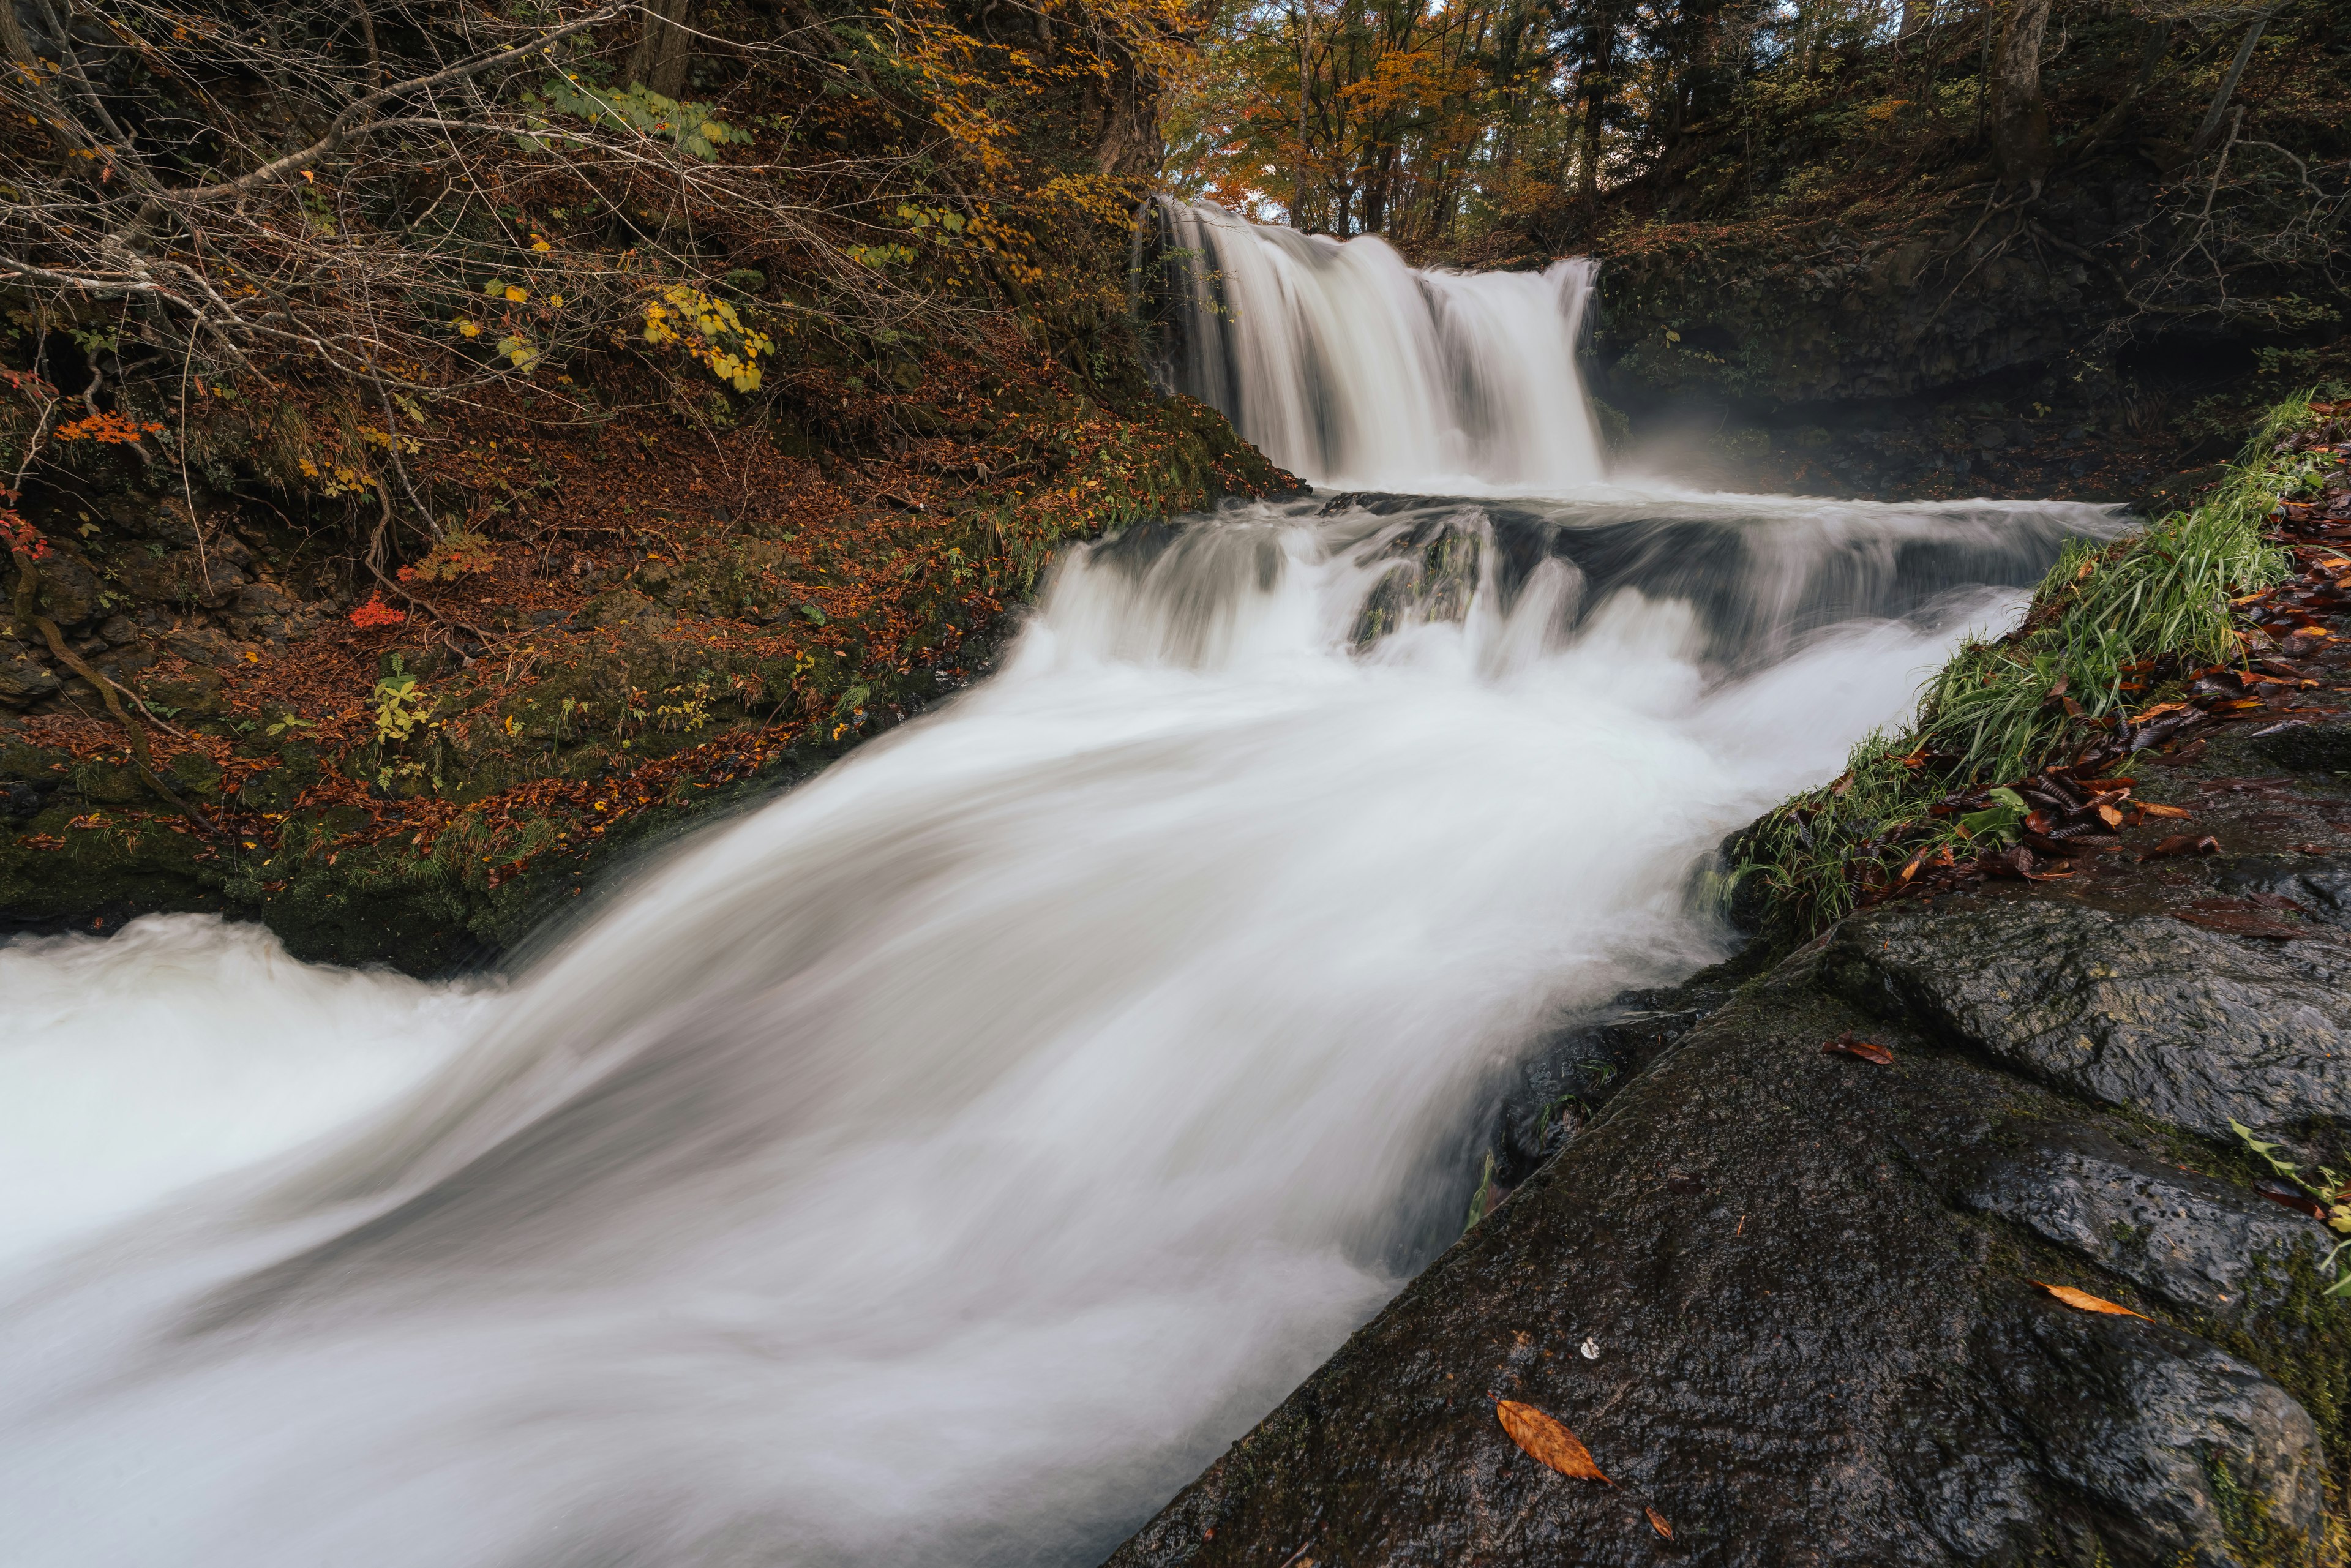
(421,777)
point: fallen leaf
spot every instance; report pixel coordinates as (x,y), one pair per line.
(1869,1051)
(2242,923)
(2182,845)
(2293,1197)
(2153,810)
(1548,1441)
(2111,817)
(1658,1522)
(2085,1301)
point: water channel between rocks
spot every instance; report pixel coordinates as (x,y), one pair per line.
(939,1165)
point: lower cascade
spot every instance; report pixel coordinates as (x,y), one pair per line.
(940,1163)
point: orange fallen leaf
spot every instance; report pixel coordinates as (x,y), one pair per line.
(1658,1522)
(1548,1441)
(1867,1049)
(2085,1301)
(2153,810)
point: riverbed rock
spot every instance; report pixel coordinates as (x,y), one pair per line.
(2198,1243)
(1811,1289)
(2317,747)
(2168,1447)
(2194,1027)
(2323,888)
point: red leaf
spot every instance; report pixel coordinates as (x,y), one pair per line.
(1867,1049)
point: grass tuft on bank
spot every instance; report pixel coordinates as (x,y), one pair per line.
(2113,631)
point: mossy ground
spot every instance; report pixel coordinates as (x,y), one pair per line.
(633,646)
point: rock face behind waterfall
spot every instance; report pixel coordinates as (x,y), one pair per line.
(1787,1297)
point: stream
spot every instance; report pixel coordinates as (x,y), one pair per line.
(939,1165)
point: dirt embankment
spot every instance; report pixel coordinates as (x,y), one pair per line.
(645,622)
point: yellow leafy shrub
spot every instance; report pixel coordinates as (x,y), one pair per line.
(709,331)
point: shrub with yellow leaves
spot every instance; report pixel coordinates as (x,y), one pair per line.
(709,331)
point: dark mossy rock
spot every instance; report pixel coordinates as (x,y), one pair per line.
(24,678)
(2139,1011)
(1788,1298)
(2322,748)
(2323,888)
(2201,1243)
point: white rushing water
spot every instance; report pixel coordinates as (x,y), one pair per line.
(938,1166)
(1347,367)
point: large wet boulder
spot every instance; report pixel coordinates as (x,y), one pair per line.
(2143,1012)
(2316,747)
(2202,1244)
(1792,1300)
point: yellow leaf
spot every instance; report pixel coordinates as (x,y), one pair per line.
(2083,1301)
(1548,1441)
(541,245)
(517,293)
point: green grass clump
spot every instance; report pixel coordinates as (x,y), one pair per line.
(2109,628)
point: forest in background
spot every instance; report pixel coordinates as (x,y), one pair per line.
(2213,142)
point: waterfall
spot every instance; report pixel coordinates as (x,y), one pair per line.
(1351,369)
(936,1168)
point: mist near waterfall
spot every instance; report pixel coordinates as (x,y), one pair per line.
(940,1164)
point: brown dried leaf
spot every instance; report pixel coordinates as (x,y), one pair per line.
(1867,1049)
(2153,810)
(2083,1301)
(2182,845)
(1658,1522)
(1548,1441)
(2111,817)
(2293,1197)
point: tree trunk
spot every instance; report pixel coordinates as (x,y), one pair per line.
(1915,16)
(665,49)
(2020,119)
(13,43)
(1598,60)
(1131,143)
(2227,88)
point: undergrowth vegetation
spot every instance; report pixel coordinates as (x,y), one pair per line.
(2113,632)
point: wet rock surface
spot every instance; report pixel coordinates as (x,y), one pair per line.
(2199,1243)
(2319,747)
(1809,1282)
(2139,1011)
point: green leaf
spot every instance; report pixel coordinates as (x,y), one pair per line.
(1999,821)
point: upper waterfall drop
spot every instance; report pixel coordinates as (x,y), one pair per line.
(1355,371)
